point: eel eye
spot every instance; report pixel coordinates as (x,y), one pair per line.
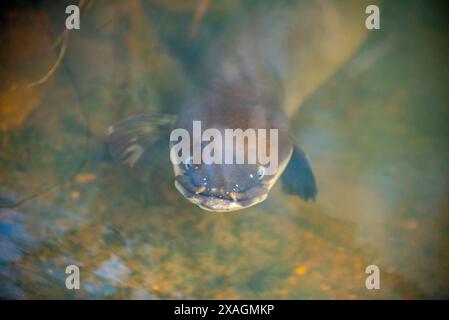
(260,172)
(188,164)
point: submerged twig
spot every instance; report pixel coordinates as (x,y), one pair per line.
(63,39)
(64,36)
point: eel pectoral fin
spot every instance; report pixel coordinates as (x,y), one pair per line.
(298,178)
(130,138)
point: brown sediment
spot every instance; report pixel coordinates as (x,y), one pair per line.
(15,107)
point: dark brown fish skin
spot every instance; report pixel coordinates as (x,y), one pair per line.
(238,90)
(237,105)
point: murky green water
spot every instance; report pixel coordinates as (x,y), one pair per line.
(376,132)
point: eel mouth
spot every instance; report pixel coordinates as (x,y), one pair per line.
(219,200)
